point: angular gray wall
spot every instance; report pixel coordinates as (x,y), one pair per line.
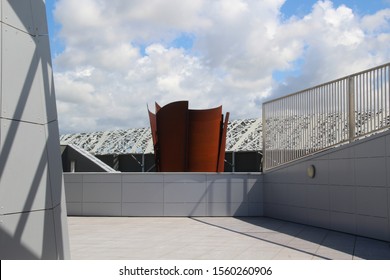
(164,194)
(32,202)
(350,191)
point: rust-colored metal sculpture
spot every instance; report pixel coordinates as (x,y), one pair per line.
(188,140)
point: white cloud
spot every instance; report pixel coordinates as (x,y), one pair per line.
(119,56)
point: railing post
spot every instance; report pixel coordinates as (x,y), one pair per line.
(264,135)
(351,105)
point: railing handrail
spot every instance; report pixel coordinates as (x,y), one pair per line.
(342,109)
(326,83)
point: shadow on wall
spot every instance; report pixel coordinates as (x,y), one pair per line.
(29,130)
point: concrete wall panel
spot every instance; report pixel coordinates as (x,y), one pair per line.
(185,209)
(227,209)
(74,208)
(345,222)
(353,197)
(143,209)
(388,145)
(31,191)
(317,197)
(102,178)
(102,209)
(45,81)
(21,78)
(147,196)
(185,192)
(18,14)
(233,192)
(102,192)
(143,192)
(371,148)
(39,19)
(17,240)
(74,192)
(367,197)
(342,172)
(143,178)
(373,227)
(54,162)
(32,199)
(371,171)
(342,199)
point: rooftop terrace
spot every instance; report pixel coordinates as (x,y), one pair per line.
(214,238)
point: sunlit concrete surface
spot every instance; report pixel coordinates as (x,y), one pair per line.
(214,238)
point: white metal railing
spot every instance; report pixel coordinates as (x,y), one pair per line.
(324,116)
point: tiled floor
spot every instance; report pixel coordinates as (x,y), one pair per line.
(214,238)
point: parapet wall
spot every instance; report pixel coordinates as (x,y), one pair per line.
(164,194)
(350,191)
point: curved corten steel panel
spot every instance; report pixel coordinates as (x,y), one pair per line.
(172,123)
(188,140)
(203,139)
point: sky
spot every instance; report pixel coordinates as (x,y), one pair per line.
(113,58)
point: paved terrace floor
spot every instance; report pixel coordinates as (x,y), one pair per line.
(214,238)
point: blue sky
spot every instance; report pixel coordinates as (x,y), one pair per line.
(111,57)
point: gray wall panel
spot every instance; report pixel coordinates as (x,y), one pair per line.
(317,197)
(184,178)
(18,14)
(342,153)
(296,195)
(102,178)
(143,192)
(102,209)
(227,209)
(102,192)
(388,145)
(343,199)
(39,17)
(230,192)
(297,173)
(18,58)
(342,172)
(32,190)
(18,242)
(371,148)
(367,197)
(319,218)
(183,198)
(356,199)
(255,209)
(73,178)
(256,192)
(321,173)
(74,192)
(143,209)
(185,209)
(345,222)
(371,171)
(373,227)
(30,161)
(143,178)
(185,192)
(74,208)
(54,162)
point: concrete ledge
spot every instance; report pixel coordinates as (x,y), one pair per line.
(164,194)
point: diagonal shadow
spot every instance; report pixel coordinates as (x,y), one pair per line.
(43,162)
(258,238)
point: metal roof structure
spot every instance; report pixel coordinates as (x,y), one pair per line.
(242,135)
